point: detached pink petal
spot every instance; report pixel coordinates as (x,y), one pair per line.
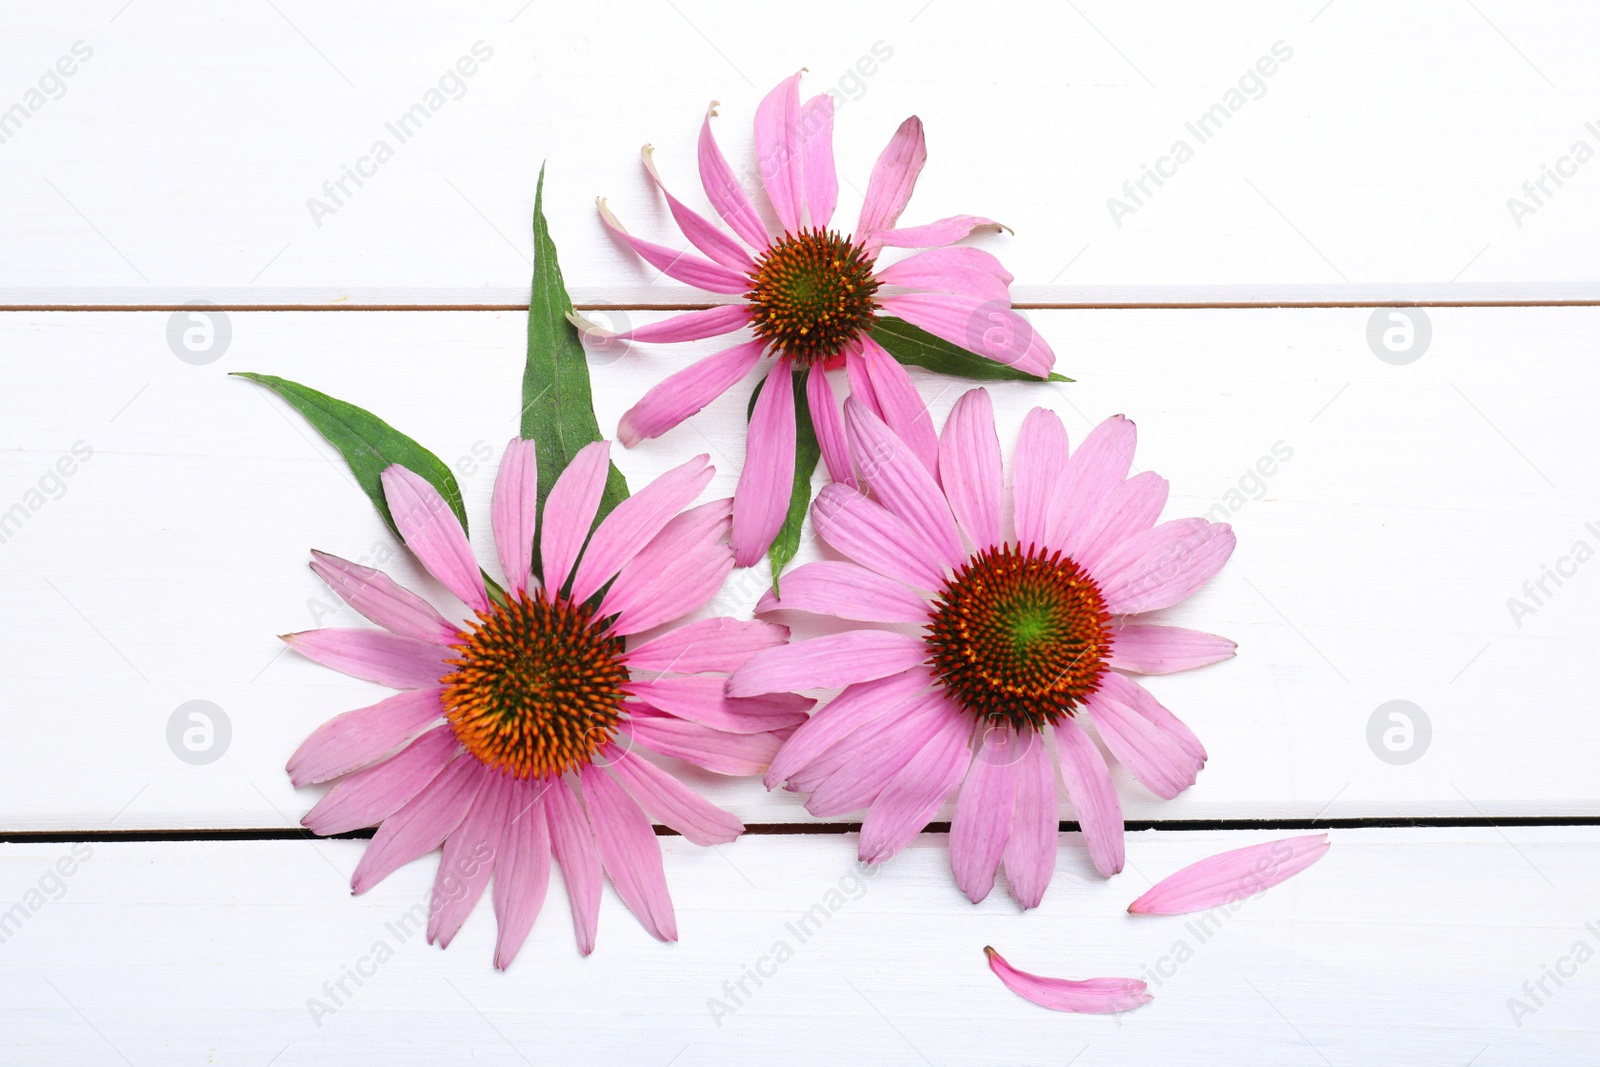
(701,233)
(894,177)
(570,509)
(375,656)
(1231,876)
(821,180)
(846,591)
(970,468)
(687,391)
(778,151)
(830,662)
(761,500)
(431,530)
(682,266)
(629,852)
(357,738)
(377,596)
(725,192)
(1089,996)
(515,512)
(1150,649)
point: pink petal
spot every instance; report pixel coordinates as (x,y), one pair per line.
(515,512)
(632,524)
(861,385)
(1158,568)
(856,707)
(719,644)
(821,181)
(422,825)
(870,764)
(670,802)
(569,512)
(701,233)
(715,750)
(1231,876)
(828,425)
(572,843)
(830,662)
(432,531)
(375,595)
(375,655)
(1155,747)
(468,860)
(846,591)
(368,797)
(1098,466)
(902,406)
(682,265)
(521,868)
(701,698)
(629,852)
(929,235)
(681,569)
(986,808)
(869,534)
(778,151)
(1131,508)
(366,735)
(1149,649)
(917,791)
(1040,457)
(970,468)
(903,484)
(967,271)
(1030,856)
(984,327)
(687,391)
(1093,797)
(894,177)
(725,192)
(761,500)
(689,326)
(1089,996)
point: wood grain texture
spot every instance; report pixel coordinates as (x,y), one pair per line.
(1401,947)
(1376,560)
(187,155)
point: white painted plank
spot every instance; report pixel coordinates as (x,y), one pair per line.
(1375,564)
(179,159)
(213,951)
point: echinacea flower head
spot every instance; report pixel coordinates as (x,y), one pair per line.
(521,733)
(810,295)
(1000,647)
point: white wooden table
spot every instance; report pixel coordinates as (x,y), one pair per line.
(1227,310)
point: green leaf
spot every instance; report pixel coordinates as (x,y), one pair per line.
(806,453)
(367,443)
(915,346)
(557,401)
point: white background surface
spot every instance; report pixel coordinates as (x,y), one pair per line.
(1375,564)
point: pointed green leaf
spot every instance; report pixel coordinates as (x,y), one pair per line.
(917,347)
(367,443)
(557,402)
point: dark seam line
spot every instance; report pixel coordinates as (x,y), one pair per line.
(797,829)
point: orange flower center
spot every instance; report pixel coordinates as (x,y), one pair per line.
(812,294)
(1020,637)
(537,688)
